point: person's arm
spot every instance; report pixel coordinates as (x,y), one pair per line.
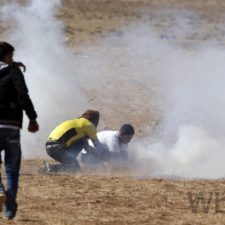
(112,143)
(87,147)
(114,155)
(100,151)
(18,65)
(117,152)
(24,99)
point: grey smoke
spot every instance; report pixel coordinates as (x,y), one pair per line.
(54,83)
(186,86)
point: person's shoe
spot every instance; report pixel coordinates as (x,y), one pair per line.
(45,168)
(2,200)
(9,212)
(9,208)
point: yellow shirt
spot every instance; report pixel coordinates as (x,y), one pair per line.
(73,130)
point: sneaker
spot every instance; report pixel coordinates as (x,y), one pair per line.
(9,211)
(9,208)
(2,200)
(52,169)
(45,168)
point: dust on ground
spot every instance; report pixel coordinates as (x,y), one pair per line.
(95,199)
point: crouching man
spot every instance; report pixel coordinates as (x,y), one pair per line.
(68,139)
(116,145)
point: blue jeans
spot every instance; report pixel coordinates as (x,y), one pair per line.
(10,143)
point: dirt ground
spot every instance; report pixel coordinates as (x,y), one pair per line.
(86,198)
(96,199)
(87,20)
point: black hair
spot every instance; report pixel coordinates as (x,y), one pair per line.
(5,48)
(127,129)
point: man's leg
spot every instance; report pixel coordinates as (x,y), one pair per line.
(12,167)
(67,159)
(2,146)
(1,184)
(69,162)
(2,192)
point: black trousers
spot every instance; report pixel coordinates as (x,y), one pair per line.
(66,156)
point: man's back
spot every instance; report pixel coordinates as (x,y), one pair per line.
(14,97)
(110,139)
(73,130)
(6,88)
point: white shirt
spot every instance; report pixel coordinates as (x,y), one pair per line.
(3,65)
(9,126)
(110,140)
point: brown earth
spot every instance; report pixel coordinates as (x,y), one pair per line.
(95,199)
(87,20)
(86,198)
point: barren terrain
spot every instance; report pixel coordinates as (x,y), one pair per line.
(87,198)
(93,199)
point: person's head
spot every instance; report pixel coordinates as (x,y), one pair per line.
(6,52)
(92,116)
(126,133)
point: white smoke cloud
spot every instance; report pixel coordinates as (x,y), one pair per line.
(190,138)
(52,70)
(187,85)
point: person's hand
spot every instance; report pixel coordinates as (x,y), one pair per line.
(33,126)
(20,64)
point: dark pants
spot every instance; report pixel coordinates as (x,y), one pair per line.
(10,144)
(65,155)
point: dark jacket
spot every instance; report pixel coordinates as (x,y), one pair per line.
(14,97)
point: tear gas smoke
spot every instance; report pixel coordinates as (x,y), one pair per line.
(53,79)
(186,85)
(189,141)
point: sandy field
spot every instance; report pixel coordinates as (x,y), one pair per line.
(116,199)
(94,199)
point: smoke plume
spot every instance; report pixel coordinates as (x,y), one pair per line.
(53,79)
(185,84)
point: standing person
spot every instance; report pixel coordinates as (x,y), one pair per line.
(14,99)
(67,140)
(115,143)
